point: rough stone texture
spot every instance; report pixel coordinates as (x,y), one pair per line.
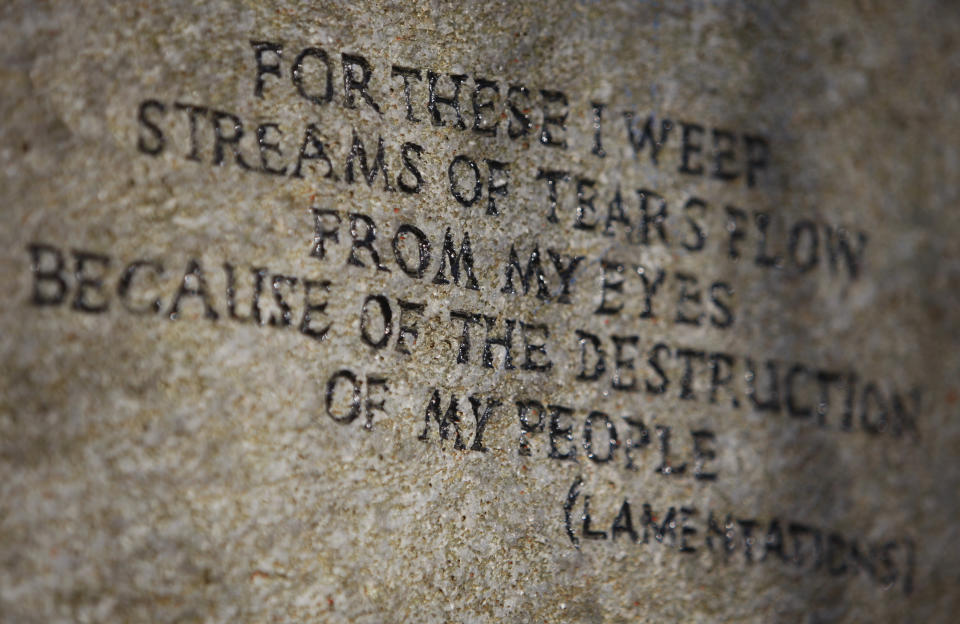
(181,471)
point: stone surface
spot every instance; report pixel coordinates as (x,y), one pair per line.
(162,465)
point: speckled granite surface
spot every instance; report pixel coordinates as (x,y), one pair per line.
(483,312)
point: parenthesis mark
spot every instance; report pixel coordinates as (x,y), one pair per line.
(568,507)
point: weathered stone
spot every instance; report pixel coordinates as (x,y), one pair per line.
(359,445)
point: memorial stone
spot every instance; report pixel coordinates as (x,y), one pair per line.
(479,312)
